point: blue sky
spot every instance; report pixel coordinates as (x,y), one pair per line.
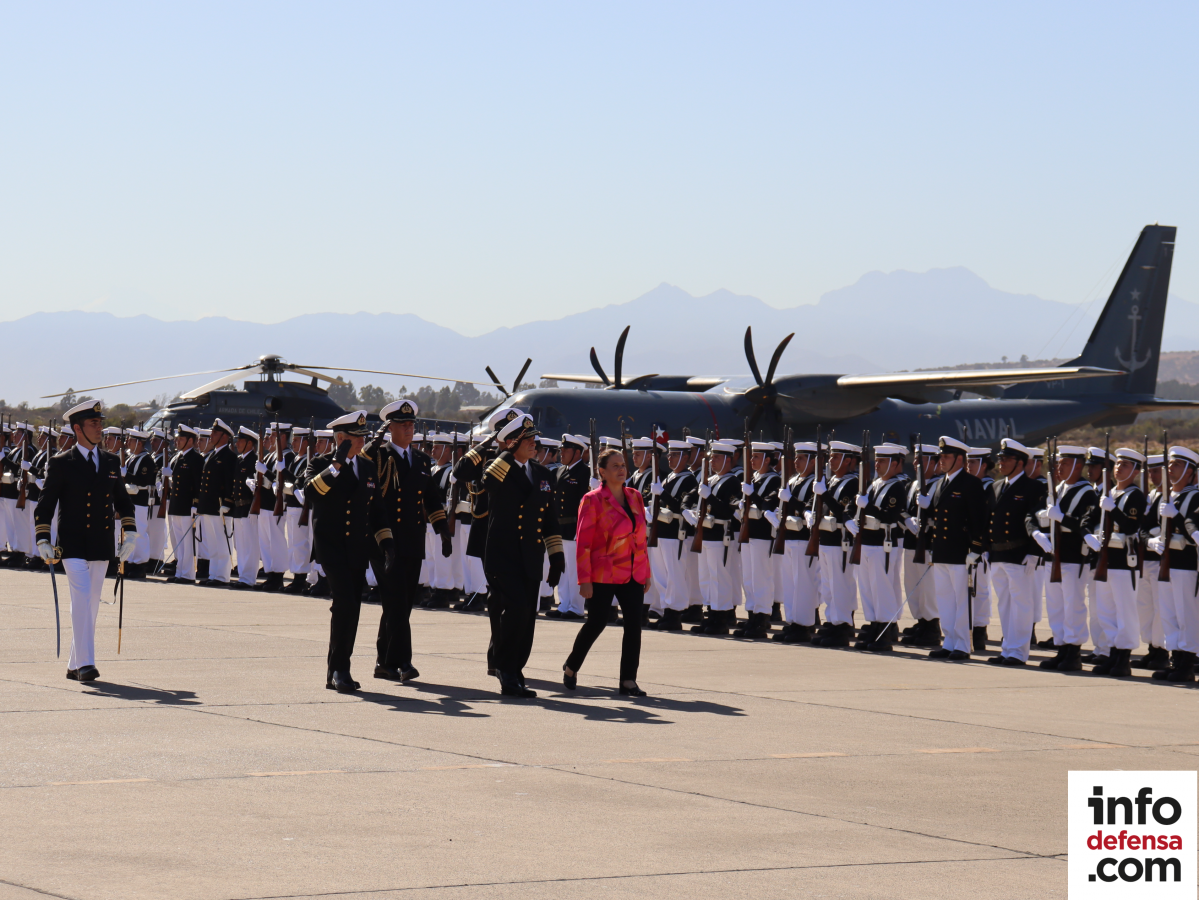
(488,163)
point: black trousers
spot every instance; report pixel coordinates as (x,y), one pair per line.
(394,645)
(512,608)
(631,597)
(345,588)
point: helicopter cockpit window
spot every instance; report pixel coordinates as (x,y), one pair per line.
(546,417)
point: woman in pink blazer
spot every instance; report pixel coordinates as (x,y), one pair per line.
(612,562)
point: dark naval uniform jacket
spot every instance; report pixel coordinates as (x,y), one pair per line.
(959,518)
(839,507)
(409,498)
(726,492)
(141,473)
(1011,503)
(347,516)
(1080,507)
(216,481)
(796,527)
(1127,519)
(886,508)
(524,518)
(765,497)
(570,484)
(243,495)
(469,472)
(186,469)
(675,489)
(87,501)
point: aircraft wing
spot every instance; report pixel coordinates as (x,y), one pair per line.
(693,383)
(916,386)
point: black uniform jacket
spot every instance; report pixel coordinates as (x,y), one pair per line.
(347,516)
(910,540)
(216,481)
(800,487)
(1186,522)
(726,493)
(469,473)
(524,519)
(141,473)
(243,494)
(86,501)
(186,469)
(570,484)
(839,505)
(887,505)
(765,497)
(959,516)
(1127,520)
(1080,505)
(409,499)
(1011,503)
(675,489)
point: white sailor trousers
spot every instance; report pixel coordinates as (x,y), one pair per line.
(18,527)
(458,542)
(272,542)
(299,542)
(676,556)
(86,581)
(1012,585)
(1186,608)
(1101,616)
(655,597)
(918,586)
(442,576)
(1067,602)
(801,583)
(1119,596)
(141,544)
(156,533)
(759,574)
(1147,610)
(953,605)
(219,561)
(182,545)
(245,542)
(720,581)
(878,583)
(838,588)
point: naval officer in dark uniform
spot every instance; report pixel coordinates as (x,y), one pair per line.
(214,501)
(86,487)
(346,518)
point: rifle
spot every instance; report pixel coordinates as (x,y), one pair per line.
(864,469)
(21,470)
(594,447)
(1167,525)
(1055,570)
(1145,492)
(279,504)
(627,450)
(697,543)
(788,473)
(256,503)
(1106,522)
(306,508)
(655,505)
(747,477)
(820,474)
(921,550)
(166,482)
(453,488)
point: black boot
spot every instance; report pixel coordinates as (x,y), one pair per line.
(776,613)
(866,634)
(1184,668)
(672,620)
(1155,659)
(1164,673)
(799,634)
(699,627)
(1120,667)
(1048,644)
(720,622)
(837,635)
(885,641)
(1054,661)
(297,586)
(1073,659)
(980,638)
(201,570)
(692,615)
(320,588)
(756,626)
(437,600)
(913,634)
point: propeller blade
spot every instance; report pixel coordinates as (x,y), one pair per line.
(397,374)
(145,381)
(749,354)
(774,360)
(624,336)
(332,379)
(516,384)
(599,370)
(496,381)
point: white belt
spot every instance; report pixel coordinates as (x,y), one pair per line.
(795,523)
(1116,540)
(712,522)
(828,523)
(1042,520)
(462,507)
(665,516)
(755,513)
(8,479)
(1178,542)
(873,524)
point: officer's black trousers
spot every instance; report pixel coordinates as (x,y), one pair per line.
(631,597)
(394,645)
(513,610)
(345,587)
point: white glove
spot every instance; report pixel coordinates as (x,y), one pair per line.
(250,483)
(1055,513)
(453,480)
(747,488)
(166,472)
(299,495)
(863,501)
(912,525)
(924,501)
(1093,542)
(819,488)
(972,558)
(26,466)
(126,549)
(124,469)
(809,518)
(689,517)
(46,551)
(224,510)
(1156,545)
(594,484)
(772,517)
(648,516)
(1107,503)
(40,482)
(784,495)
(280,465)
(852,527)
(705,491)
(1167,509)
(1043,541)
(131,489)
(260,468)
(655,489)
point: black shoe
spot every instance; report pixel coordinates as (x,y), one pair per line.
(87,673)
(174,580)
(692,614)
(1054,661)
(72,674)
(388,673)
(1014,661)
(1048,644)
(979,636)
(510,686)
(1183,670)
(299,584)
(209,582)
(545,603)
(776,612)
(474,603)
(273,583)
(320,588)
(342,683)
(940,653)
(634,691)
(866,634)
(932,634)
(572,617)
(239,586)
(1120,667)
(1073,660)
(885,642)
(914,633)
(837,635)
(169,569)
(570,681)
(958,656)
(672,620)
(1156,658)
(756,626)
(799,634)
(553,614)
(439,599)
(409,673)
(997,661)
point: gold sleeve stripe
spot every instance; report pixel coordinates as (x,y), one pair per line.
(129,523)
(319,483)
(473,456)
(498,470)
(43,529)
(553,544)
(437,515)
(383,534)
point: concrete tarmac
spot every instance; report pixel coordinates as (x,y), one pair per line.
(209,761)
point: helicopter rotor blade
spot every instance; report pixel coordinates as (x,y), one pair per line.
(599,370)
(399,374)
(624,336)
(525,368)
(495,379)
(220,382)
(103,387)
(749,354)
(332,379)
(774,360)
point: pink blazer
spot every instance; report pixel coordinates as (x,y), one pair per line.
(609,548)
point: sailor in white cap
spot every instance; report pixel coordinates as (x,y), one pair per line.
(1014,498)
(299,534)
(719,561)
(1180,518)
(1071,513)
(35,477)
(159,451)
(837,493)
(919,584)
(799,574)
(1149,597)
(980,465)
(17,463)
(140,476)
(642,479)
(571,480)
(760,570)
(1035,560)
(84,487)
(214,502)
(273,460)
(884,502)
(241,522)
(184,472)
(959,510)
(675,569)
(466,572)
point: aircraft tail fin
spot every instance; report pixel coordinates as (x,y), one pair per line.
(1128,334)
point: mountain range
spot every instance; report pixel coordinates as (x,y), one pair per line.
(883,322)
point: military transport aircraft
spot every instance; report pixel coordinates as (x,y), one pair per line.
(1109,383)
